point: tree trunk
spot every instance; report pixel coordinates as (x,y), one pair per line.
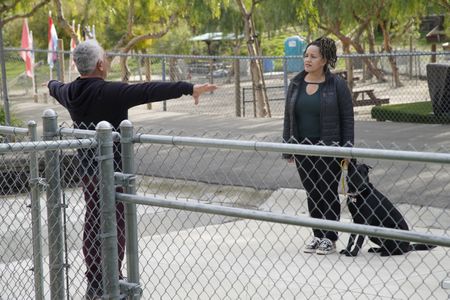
(262,104)
(372,68)
(348,64)
(371,43)
(359,49)
(388,48)
(125,72)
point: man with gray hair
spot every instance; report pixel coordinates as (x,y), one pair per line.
(89,100)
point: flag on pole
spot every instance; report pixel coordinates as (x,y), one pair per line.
(73,44)
(52,42)
(79,32)
(27,43)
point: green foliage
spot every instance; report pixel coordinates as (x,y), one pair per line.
(418,112)
(14,121)
(175,41)
(275,20)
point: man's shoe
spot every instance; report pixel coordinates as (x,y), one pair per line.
(326,247)
(312,246)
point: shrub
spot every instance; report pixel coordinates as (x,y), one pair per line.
(418,112)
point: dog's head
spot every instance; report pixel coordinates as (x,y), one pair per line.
(357,178)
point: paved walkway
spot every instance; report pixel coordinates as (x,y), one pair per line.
(404,135)
(187,255)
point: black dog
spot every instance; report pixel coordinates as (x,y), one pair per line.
(370,207)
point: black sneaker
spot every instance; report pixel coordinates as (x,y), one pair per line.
(312,246)
(326,247)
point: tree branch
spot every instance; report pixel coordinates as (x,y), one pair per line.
(126,47)
(63,22)
(130,18)
(24,15)
(242,8)
(6,7)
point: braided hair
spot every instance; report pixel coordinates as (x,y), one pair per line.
(327,48)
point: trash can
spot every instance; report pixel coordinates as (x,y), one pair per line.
(294,46)
(438,77)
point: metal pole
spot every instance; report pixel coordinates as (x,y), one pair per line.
(313,150)
(55,233)
(60,65)
(243,101)
(108,237)
(126,130)
(163,66)
(4,84)
(285,76)
(237,87)
(383,232)
(36,218)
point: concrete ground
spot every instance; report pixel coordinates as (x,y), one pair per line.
(187,255)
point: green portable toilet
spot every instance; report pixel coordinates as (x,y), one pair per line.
(294,46)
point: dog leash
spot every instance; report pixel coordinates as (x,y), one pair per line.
(344,167)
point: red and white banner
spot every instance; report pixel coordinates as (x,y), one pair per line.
(27,43)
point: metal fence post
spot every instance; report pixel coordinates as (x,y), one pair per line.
(285,76)
(36,217)
(53,192)
(4,83)
(163,75)
(126,130)
(108,235)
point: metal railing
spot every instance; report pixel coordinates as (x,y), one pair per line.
(196,227)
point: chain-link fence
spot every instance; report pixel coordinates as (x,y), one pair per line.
(400,86)
(229,219)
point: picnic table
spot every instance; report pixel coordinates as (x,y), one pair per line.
(363,97)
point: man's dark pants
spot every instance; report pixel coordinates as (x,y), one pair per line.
(92,230)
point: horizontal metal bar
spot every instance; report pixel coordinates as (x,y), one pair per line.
(166,56)
(83,133)
(76,132)
(313,150)
(375,231)
(47,145)
(13,130)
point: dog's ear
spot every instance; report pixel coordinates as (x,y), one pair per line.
(366,168)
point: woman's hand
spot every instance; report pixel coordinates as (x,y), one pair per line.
(202,88)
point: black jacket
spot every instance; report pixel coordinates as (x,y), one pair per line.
(336,112)
(91,100)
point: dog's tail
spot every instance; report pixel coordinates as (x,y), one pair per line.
(420,247)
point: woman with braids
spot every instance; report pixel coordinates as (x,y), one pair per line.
(319,111)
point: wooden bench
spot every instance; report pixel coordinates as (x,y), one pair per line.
(367,97)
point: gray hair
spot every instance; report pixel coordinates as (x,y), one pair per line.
(86,56)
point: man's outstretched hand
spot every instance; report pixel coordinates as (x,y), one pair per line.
(202,88)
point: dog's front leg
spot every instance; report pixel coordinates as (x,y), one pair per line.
(358,245)
(351,241)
